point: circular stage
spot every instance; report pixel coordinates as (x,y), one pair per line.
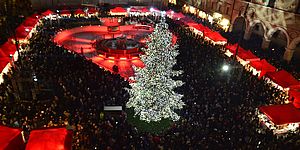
(108,46)
(118,47)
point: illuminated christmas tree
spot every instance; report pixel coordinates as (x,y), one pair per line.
(152,96)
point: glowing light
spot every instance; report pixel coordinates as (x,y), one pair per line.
(123,58)
(27,30)
(225,68)
(217,15)
(151,9)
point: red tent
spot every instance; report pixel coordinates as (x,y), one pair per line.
(262,66)
(11,138)
(133,9)
(294,95)
(22,31)
(65,12)
(4,60)
(50,139)
(47,12)
(79,12)
(30,22)
(178,15)
(8,48)
(215,36)
(232,49)
(35,16)
(283,78)
(169,12)
(92,10)
(118,10)
(144,10)
(281,114)
(247,56)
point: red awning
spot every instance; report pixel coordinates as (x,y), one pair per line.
(50,139)
(169,12)
(281,114)
(262,66)
(215,36)
(232,49)
(11,138)
(8,48)
(65,12)
(144,10)
(30,22)
(79,12)
(92,10)
(47,12)
(248,56)
(133,9)
(22,31)
(178,15)
(35,16)
(283,78)
(118,10)
(295,95)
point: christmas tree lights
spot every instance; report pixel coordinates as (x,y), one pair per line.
(152,96)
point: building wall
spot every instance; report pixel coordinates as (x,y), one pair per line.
(281,15)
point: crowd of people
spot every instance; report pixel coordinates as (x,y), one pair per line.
(220,110)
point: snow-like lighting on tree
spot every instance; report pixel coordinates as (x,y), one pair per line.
(152,96)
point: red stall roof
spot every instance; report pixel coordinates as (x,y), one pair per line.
(262,66)
(79,12)
(30,22)
(215,36)
(232,49)
(8,48)
(133,9)
(92,10)
(47,12)
(248,56)
(293,93)
(11,138)
(144,10)
(178,15)
(118,10)
(281,114)
(22,31)
(282,78)
(50,139)
(65,12)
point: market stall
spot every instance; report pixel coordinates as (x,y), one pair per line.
(281,79)
(280,118)
(50,139)
(11,138)
(118,11)
(260,68)
(65,13)
(79,12)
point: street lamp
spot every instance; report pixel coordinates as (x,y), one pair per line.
(225,68)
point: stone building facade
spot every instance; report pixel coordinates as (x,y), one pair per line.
(271,22)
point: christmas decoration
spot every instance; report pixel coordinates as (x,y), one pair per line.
(152,96)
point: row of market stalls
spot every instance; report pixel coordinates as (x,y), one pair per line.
(39,139)
(279,118)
